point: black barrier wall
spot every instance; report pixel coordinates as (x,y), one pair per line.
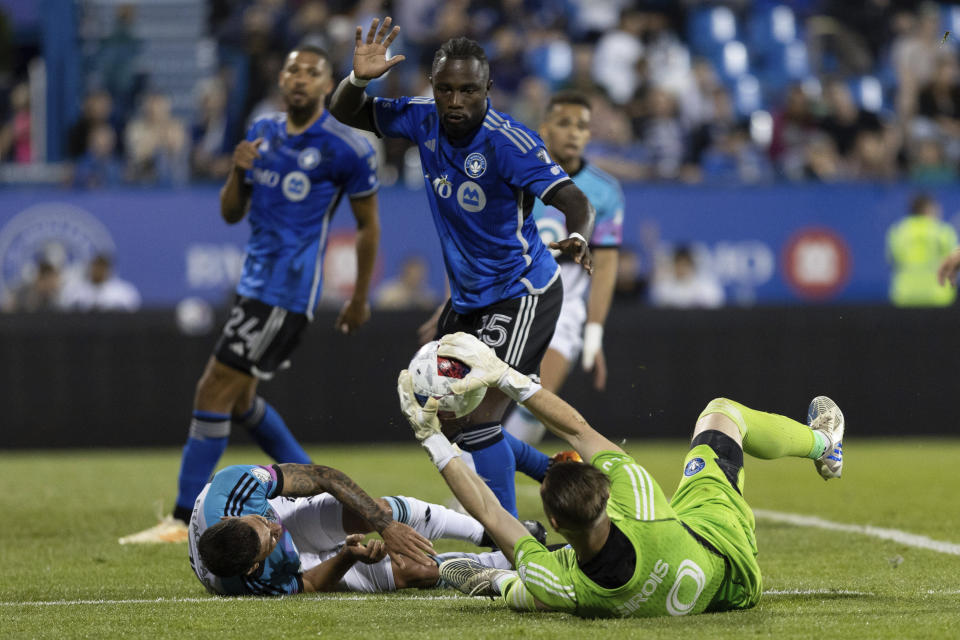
(128,380)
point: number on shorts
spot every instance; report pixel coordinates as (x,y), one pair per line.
(246,329)
(493,332)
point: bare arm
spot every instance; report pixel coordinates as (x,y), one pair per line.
(302,480)
(566,423)
(598,307)
(235,194)
(356,311)
(580,215)
(327,575)
(350,104)
(479,501)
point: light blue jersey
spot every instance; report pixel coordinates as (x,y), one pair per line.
(243,490)
(481,190)
(298,182)
(604,193)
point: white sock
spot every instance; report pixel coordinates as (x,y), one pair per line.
(434,521)
(522,425)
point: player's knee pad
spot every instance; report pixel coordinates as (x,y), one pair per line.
(728,408)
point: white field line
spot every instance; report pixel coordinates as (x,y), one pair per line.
(894,535)
(362,598)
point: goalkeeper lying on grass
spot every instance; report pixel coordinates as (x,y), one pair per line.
(632,552)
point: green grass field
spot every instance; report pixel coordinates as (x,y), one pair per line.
(65,576)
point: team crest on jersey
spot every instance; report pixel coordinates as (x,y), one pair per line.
(296,186)
(694,467)
(309,158)
(475,165)
(542,154)
(260,474)
(471,197)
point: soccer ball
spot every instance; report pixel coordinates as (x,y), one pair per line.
(432,375)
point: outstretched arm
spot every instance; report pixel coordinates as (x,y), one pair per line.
(947,273)
(472,492)
(486,369)
(303,480)
(580,215)
(350,104)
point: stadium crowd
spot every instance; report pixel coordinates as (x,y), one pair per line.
(691,91)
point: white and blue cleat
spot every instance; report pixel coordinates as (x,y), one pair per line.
(825,416)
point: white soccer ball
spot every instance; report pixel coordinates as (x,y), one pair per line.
(432,375)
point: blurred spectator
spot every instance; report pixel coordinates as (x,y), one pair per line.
(409,289)
(666,58)
(99,289)
(844,120)
(15,133)
(40,290)
(97,107)
(915,247)
(211,155)
(719,121)
(531,101)
(157,144)
(611,145)
(581,76)
(791,126)
(929,165)
(115,63)
(679,284)
(733,158)
(821,161)
(631,284)
(698,99)
(662,134)
(616,56)
(914,54)
(100,166)
(591,18)
(938,104)
(873,159)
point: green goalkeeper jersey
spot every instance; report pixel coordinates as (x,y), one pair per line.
(675,574)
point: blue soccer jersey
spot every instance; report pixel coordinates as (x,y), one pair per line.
(604,193)
(298,182)
(243,490)
(481,190)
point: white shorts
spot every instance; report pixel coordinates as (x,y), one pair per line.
(568,336)
(316,526)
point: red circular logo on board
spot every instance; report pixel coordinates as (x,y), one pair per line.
(816,263)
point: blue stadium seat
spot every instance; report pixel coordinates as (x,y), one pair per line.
(709,29)
(784,64)
(868,93)
(747,95)
(732,61)
(771,27)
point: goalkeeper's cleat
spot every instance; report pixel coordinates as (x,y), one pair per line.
(566,456)
(472,578)
(168,530)
(825,416)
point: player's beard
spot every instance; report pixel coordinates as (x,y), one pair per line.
(300,115)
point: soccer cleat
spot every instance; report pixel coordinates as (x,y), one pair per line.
(167,530)
(825,416)
(470,577)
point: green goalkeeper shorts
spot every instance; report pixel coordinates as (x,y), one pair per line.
(707,503)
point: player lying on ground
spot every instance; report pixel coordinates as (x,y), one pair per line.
(632,552)
(294,528)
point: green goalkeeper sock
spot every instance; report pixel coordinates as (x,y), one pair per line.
(515,593)
(769,435)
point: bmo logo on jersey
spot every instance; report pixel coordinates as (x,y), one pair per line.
(471,197)
(266,177)
(296,186)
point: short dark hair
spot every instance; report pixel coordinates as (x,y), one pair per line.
(461,49)
(574,494)
(229,548)
(920,202)
(569,96)
(311,48)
